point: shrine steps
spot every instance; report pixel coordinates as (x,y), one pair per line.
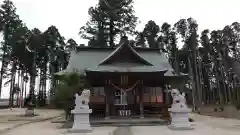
(117,122)
(128,122)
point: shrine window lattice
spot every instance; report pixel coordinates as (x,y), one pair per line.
(98,91)
(153,95)
(120,98)
(153,91)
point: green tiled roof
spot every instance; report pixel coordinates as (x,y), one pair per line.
(89,60)
(127,67)
(130,49)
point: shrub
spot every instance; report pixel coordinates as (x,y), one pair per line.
(64,94)
(237,104)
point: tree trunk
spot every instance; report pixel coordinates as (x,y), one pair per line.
(175,61)
(45,87)
(45,81)
(32,87)
(53,82)
(18,84)
(111,34)
(193,42)
(5,32)
(22,88)
(33,79)
(12,86)
(194,93)
(40,94)
(25,90)
(218,80)
(205,76)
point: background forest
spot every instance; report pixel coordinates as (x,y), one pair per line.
(208,56)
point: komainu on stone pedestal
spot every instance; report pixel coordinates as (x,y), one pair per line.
(81,113)
(29,111)
(179,112)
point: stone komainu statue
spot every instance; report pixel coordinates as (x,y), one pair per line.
(82,100)
(178,99)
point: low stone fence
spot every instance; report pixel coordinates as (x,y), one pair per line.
(226,111)
(124,130)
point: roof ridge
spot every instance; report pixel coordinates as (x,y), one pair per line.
(119,49)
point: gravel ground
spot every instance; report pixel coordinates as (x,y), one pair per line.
(199,130)
(204,125)
(48,128)
(12,118)
(41,128)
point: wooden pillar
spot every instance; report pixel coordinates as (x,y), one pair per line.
(166,92)
(107,106)
(141,102)
(109,92)
(106,91)
(166,100)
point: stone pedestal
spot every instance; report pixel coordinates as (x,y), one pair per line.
(180,119)
(81,122)
(29,112)
(81,113)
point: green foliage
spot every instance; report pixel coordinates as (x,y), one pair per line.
(237,105)
(109,19)
(71,44)
(151,31)
(64,93)
(140,40)
(69,84)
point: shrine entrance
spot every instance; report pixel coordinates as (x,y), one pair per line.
(121,103)
(125,98)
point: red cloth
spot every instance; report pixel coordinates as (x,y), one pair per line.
(97,99)
(160,99)
(153,99)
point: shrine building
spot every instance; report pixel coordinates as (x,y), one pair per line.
(125,81)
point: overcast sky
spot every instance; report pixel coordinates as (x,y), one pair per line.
(69,15)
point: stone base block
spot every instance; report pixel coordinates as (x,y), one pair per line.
(80,131)
(180,119)
(180,128)
(107,118)
(29,112)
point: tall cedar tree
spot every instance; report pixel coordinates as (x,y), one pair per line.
(151,31)
(9,21)
(108,20)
